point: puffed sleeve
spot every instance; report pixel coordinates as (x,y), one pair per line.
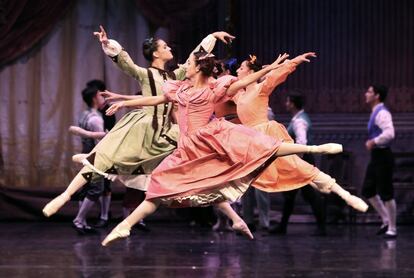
(112,49)
(276,77)
(170,89)
(220,87)
(122,59)
(207,43)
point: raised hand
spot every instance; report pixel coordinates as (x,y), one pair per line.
(280,59)
(103,38)
(114,108)
(304,57)
(224,37)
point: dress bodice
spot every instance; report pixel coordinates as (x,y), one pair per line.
(196,105)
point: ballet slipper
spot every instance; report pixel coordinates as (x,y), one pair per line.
(53,206)
(241,227)
(356,202)
(122,230)
(330,148)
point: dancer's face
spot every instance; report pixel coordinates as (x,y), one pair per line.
(370,96)
(243,70)
(163,51)
(192,68)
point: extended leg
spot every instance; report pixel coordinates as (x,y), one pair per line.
(326,184)
(289,148)
(53,206)
(122,230)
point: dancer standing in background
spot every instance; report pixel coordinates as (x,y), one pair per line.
(91,120)
(300,130)
(378,187)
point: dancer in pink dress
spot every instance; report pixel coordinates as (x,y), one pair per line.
(215,160)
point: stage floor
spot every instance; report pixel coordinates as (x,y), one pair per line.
(177,250)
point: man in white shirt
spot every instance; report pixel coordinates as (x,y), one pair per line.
(378,187)
(300,130)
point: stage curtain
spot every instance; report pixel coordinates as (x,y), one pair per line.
(40,91)
(24,23)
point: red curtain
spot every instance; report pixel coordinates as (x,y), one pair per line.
(24,23)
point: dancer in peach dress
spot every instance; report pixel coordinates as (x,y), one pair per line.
(215,160)
(287,172)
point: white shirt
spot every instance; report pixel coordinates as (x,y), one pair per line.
(384,121)
(300,128)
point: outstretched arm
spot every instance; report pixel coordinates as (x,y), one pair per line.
(143,101)
(208,44)
(279,75)
(114,50)
(242,83)
(78,131)
(111,96)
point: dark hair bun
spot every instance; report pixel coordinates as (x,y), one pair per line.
(207,66)
(149,46)
(253,63)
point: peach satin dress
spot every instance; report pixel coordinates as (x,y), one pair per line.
(287,172)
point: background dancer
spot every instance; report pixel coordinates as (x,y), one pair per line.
(300,130)
(378,187)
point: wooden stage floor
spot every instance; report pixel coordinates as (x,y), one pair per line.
(51,249)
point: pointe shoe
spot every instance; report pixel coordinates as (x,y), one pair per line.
(53,206)
(356,203)
(330,148)
(120,231)
(78,158)
(242,227)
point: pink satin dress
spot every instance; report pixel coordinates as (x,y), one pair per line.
(215,160)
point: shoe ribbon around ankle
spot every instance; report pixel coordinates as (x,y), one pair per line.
(86,163)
